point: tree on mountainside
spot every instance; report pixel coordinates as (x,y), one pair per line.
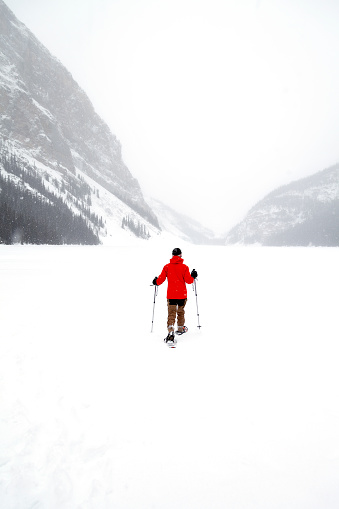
(137,228)
(29,213)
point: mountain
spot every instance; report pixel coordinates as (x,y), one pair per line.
(49,125)
(182,226)
(302,213)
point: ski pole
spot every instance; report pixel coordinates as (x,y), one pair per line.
(196,299)
(155,294)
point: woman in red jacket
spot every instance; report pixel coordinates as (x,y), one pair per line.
(177,274)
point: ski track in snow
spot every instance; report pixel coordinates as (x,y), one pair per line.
(96,412)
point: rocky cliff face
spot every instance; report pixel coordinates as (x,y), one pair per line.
(47,118)
(305,212)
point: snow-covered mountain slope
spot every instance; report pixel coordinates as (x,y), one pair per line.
(182,226)
(47,120)
(305,212)
(97,412)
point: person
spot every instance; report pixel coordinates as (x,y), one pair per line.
(177,274)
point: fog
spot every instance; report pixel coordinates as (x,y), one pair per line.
(216,103)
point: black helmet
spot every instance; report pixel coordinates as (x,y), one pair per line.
(176,251)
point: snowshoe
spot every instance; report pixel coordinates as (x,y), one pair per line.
(181,331)
(170,340)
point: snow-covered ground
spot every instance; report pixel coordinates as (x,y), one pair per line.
(97,413)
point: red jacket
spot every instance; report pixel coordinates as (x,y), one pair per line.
(177,274)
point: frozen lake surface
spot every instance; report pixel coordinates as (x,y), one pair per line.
(96,412)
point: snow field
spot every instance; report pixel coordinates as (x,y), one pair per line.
(98,413)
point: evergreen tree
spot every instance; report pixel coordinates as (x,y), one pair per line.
(29,212)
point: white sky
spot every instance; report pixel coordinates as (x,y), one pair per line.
(215,102)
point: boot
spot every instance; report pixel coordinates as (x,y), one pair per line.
(170,337)
(181,330)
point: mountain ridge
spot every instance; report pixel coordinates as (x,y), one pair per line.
(181,225)
(47,120)
(303,212)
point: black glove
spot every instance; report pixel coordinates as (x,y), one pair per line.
(154,282)
(194,274)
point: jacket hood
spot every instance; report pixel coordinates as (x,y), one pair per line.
(176,259)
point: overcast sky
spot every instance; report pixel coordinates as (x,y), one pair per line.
(215,102)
